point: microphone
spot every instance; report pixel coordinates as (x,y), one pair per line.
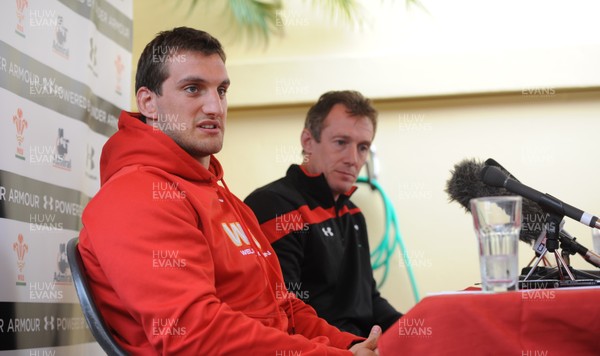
(495,177)
(466,184)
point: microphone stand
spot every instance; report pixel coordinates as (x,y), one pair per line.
(553,227)
(568,247)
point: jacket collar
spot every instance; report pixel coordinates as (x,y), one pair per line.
(316,186)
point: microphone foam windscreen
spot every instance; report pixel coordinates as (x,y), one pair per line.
(465,184)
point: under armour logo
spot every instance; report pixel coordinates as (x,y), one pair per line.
(355,227)
(90,157)
(93,50)
(327,231)
(48,202)
(48,323)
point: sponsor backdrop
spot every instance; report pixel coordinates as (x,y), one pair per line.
(65,72)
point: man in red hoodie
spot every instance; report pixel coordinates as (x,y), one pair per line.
(178,264)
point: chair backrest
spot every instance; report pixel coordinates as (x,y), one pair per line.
(90,312)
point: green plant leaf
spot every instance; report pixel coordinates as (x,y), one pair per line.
(258,18)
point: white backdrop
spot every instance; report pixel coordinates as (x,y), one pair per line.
(65,69)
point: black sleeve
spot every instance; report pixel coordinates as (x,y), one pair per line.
(271,208)
(384,314)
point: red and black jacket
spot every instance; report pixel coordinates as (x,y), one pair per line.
(323,249)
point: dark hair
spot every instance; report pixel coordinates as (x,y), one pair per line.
(152,69)
(356,105)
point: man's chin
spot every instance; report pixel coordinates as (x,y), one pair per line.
(203,151)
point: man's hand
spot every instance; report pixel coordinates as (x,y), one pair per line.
(369,346)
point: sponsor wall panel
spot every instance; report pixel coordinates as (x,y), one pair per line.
(41,242)
(50,142)
(107,69)
(64,39)
(32,80)
(65,74)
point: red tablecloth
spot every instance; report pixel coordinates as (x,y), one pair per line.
(526,323)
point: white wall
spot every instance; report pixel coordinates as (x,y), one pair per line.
(450,47)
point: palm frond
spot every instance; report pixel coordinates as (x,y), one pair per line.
(349,9)
(256,17)
(259,18)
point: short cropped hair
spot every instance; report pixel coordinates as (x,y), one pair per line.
(356,105)
(152,68)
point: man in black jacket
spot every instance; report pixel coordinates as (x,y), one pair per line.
(319,235)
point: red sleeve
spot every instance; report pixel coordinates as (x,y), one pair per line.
(176,309)
(308,323)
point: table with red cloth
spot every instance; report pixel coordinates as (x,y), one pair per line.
(533,322)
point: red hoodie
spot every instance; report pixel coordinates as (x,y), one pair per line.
(179,265)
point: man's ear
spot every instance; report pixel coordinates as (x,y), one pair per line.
(307,140)
(146,102)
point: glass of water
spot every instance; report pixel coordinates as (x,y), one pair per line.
(497,223)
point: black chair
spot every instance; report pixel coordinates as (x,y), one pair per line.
(90,312)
